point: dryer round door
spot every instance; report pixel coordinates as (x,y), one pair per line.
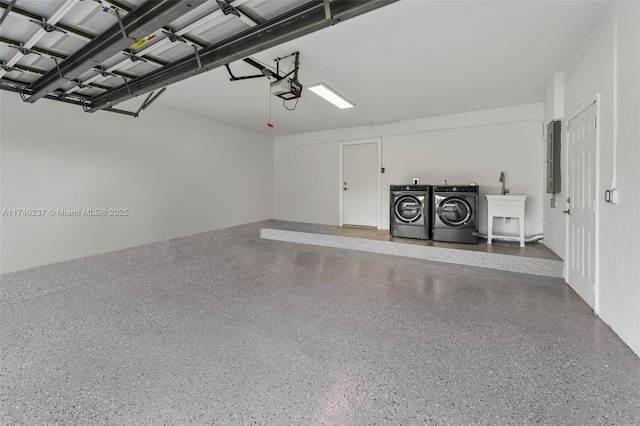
(408,208)
(455,212)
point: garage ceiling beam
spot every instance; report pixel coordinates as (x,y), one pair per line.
(161,44)
(7,10)
(62,10)
(72,31)
(10,85)
(300,21)
(139,23)
(46,52)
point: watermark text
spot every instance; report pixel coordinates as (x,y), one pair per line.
(99,212)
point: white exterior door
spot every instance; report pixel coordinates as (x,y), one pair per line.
(581,204)
(360,184)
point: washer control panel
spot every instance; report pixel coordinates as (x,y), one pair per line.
(421,188)
(451,188)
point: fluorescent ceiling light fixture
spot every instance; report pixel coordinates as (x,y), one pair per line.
(330,95)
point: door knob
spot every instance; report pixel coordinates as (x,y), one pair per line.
(568,211)
(345,188)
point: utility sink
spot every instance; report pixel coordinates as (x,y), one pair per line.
(506,205)
(506,197)
(511,206)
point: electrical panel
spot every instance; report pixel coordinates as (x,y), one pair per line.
(554,136)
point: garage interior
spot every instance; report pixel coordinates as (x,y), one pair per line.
(174,245)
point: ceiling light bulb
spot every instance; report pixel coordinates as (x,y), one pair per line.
(330,95)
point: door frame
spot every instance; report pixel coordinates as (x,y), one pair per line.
(594,99)
(379,176)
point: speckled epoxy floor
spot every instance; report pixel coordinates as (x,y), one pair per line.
(228,328)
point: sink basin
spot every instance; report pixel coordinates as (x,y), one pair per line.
(506,197)
(506,205)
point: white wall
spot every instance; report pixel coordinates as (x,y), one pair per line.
(473,146)
(306,180)
(591,71)
(176,174)
(554,110)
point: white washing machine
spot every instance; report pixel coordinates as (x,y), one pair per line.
(409,214)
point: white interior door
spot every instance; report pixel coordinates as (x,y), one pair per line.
(581,204)
(360,184)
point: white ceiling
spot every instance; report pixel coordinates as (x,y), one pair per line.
(414,58)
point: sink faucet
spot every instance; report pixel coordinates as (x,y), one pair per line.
(502,179)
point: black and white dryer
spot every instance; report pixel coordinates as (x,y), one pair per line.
(455,214)
(410,211)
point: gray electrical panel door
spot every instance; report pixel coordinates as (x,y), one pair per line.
(554,135)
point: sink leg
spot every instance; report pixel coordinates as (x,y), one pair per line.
(490,230)
(521,223)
